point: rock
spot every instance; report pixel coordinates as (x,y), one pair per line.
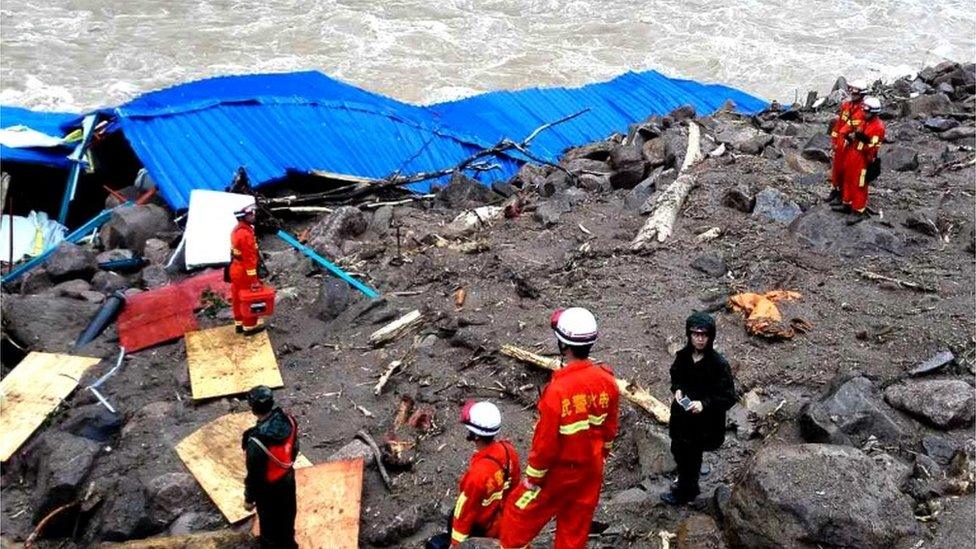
(123,516)
(156,251)
(94,422)
(461,192)
(676,141)
(628,167)
(710,264)
(404,524)
(131,226)
(92,296)
(653,452)
(632,497)
(169,495)
(956,524)
(114,255)
(826,231)
(934,364)
(150,417)
(353,450)
(956,134)
(699,531)
(738,198)
(334,297)
(946,88)
(656,153)
(940,449)
(70,261)
(329,232)
(63,462)
(578,166)
(850,415)
(188,523)
(899,159)
(35,281)
(71,288)
(531,176)
(918,222)
(107,282)
(682,113)
(927,105)
(641,192)
(943,403)
(503,188)
(553,183)
(382,219)
(813,495)
(44,322)
(593,151)
(774,205)
(919,86)
(154,276)
(594,182)
(817,148)
(755,145)
(940,124)
(548,213)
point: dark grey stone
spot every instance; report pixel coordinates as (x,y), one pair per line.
(656,153)
(943,403)
(827,231)
(956,134)
(504,188)
(169,495)
(899,159)
(653,451)
(461,192)
(817,148)
(108,282)
(548,213)
(710,264)
(927,105)
(331,231)
(940,124)
(94,422)
(642,191)
(599,150)
(63,462)
(131,226)
(71,288)
(934,364)
(334,298)
(628,166)
(773,205)
(124,516)
(756,145)
(70,261)
(738,198)
(940,449)
(850,415)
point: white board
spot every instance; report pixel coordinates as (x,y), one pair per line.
(209,224)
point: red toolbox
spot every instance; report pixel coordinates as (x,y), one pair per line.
(259,300)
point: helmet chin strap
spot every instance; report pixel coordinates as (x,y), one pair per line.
(562,352)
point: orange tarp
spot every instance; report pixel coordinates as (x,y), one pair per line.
(763,316)
(328,497)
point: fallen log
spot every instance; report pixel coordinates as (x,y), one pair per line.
(635,394)
(869,275)
(393,367)
(364,436)
(667,204)
(396,328)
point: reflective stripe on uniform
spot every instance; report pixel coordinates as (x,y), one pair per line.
(863,174)
(494,497)
(860,146)
(458,536)
(875,142)
(573,428)
(598,420)
(527,498)
(459,506)
(855,122)
(252,272)
(531,471)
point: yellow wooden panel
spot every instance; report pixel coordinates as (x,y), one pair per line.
(328,498)
(32,390)
(223,362)
(213,455)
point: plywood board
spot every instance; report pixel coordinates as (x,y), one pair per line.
(32,390)
(213,455)
(328,497)
(223,362)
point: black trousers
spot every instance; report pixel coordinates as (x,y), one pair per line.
(688,457)
(276,511)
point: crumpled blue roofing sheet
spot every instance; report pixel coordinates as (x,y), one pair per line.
(49,123)
(196,135)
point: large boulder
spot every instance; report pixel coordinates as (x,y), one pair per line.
(462,192)
(656,153)
(46,323)
(599,150)
(63,462)
(653,452)
(943,403)
(711,264)
(628,166)
(328,234)
(927,105)
(826,231)
(548,213)
(850,415)
(817,148)
(70,261)
(899,159)
(131,226)
(94,422)
(774,205)
(107,282)
(960,133)
(334,297)
(818,495)
(72,288)
(169,495)
(125,514)
(699,531)
(940,124)
(156,251)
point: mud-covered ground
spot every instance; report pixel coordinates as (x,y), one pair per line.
(921,233)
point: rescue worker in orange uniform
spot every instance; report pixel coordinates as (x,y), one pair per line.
(578,414)
(244,269)
(492,473)
(863,145)
(849,118)
(270,449)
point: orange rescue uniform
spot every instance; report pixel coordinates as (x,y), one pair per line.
(578,415)
(243,271)
(862,150)
(492,473)
(849,119)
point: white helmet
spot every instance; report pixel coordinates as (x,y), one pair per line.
(575,326)
(872,104)
(859,85)
(481,418)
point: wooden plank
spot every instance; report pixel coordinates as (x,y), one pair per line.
(223,362)
(329,496)
(396,328)
(213,455)
(32,390)
(633,393)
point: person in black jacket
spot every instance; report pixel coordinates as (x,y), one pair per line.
(270,449)
(702,380)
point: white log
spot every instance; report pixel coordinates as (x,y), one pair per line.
(393,367)
(668,203)
(396,328)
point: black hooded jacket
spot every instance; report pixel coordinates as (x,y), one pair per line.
(271,431)
(709,381)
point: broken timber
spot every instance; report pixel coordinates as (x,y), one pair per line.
(869,275)
(668,203)
(636,395)
(396,328)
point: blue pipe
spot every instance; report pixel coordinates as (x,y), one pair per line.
(366,290)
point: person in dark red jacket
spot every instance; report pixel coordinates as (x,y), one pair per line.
(270,449)
(578,414)
(863,146)
(702,380)
(244,269)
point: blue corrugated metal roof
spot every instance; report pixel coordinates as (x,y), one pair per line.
(45,122)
